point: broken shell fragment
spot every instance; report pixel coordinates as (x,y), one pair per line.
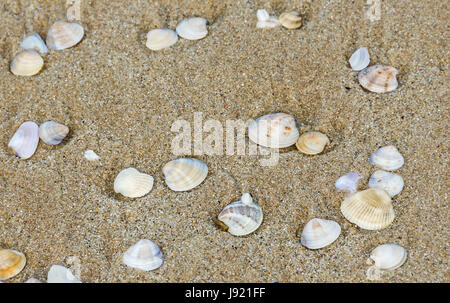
(133,184)
(11,263)
(378,78)
(34,42)
(158,39)
(265,20)
(360,59)
(61,274)
(90,155)
(184,173)
(192,28)
(319,233)
(391,183)
(387,157)
(33,280)
(277,130)
(389,256)
(348,183)
(62,35)
(291,20)
(25,140)
(312,143)
(52,133)
(27,63)
(144,255)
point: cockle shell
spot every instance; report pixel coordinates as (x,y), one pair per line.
(387,157)
(391,183)
(378,78)
(265,20)
(144,255)
(291,20)
(242,217)
(11,263)
(158,39)
(312,143)
(360,59)
(369,209)
(133,184)
(27,63)
(25,140)
(184,173)
(61,274)
(35,42)
(62,35)
(52,133)
(389,256)
(348,183)
(319,233)
(192,28)
(277,130)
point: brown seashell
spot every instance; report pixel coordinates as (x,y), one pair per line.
(291,20)
(11,263)
(27,63)
(312,143)
(378,78)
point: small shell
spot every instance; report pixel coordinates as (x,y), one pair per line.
(25,140)
(262,15)
(90,155)
(312,143)
(62,35)
(184,173)
(291,20)
(60,274)
(133,184)
(34,42)
(158,39)
(33,280)
(192,28)
(360,59)
(276,130)
(348,183)
(27,63)
(11,263)
(52,133)
(241,217)
(378,78)
(319,233)
(389,256)
(369,209)
(144,255)
(391,183)
(387,157)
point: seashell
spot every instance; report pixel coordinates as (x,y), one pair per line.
(62,35)
(291,20)
(265,20)
(277,130)
(34,42)
(144,255)
(389,256)
(369,209)
(11,263)
(33,280)
(192,28)
(391,183)
(242,217)
(378,78)
(262,15)
(52,133)
(133,184)
(90,155)
(319,233)
(348,183)
(360,59)
(60,274)
(161,38)
(27,63)
(387,157)
(312,143)
(184,173)
(25,140)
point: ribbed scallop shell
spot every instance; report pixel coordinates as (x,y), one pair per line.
(61,274)
(11,263)
(378,78)
(184,173)
(360,59)
(192,28)
(319,233)
(27,63)
(391,183)
(369,209)
(35,42)
(133,184)
(387,157)
(348,183)
(25,140)
(144,255)
(312,143)
(241,217)
(291,20)
(158,39)
(277,130)
(52,133)
(62,35)
(389,256)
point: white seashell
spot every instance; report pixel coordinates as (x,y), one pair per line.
(192,28)
(389,256)
(158,39)
(277,130)
(319,233)
(60,274)
(52,133)
(62,35)
(25,140)
(378,78)
(360,59)
(184,173)
(262,15)
(90,155)
(11,263)
(348,183)
(27,63)
(33,280)
(265,20)
(34,42)
(392,183)
(387,157)
(144,255)
(242,217)
(133,184)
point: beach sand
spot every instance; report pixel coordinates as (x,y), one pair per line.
(120,99)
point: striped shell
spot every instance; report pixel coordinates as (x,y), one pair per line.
(25,140)
(389,256)
(184,173)
(319,233)
(52,133)
(387,157)
(11,263)
(378,78)
(133,184)
(158,39)
(62,35)
(192,28)
(27,63)
(312,143)
(144,255)
(277,130)
(291,20)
